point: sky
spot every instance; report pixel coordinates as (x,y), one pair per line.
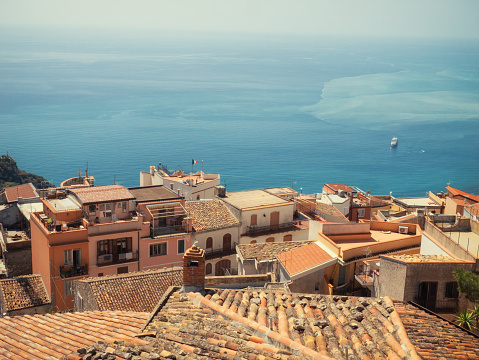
(378,18)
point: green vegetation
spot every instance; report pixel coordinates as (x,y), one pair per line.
(466,319)
(11,176)
(467,283)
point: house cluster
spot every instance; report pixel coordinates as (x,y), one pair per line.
(180,267)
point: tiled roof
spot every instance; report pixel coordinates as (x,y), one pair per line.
(209,214)
(23,292)
(54,336)
(266,251)
(98,194)
(457,192)
(252,324)
(330,210)
(414,258)
(303,258)
(136,291)
(435,338)
(153,193)
(24,191)
(281,326)
(337,187)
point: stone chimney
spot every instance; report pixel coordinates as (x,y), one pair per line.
(193,270)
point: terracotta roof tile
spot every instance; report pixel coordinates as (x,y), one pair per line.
(136,291)
(337,187)
(24,191)
(330,210)
(250,324)
(435,338)
(425,258)
(266,251)
(209,214)
(457,192)
(23,292)
(303,258)
(98,194)
(55,336)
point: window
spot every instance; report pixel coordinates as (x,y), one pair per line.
(342,275)
(209,269)
(69,288)
(451,290)
(197,197)
(68,257)
(270,240)
(122,270)
(254,219)
(181,246)
(72,257)
(253,242)
(122,246)
(92,209)
(158,249)
(103,247)
(100,274)
(102,207)
(209,243)
(361,213)
(288,237)
(123,206)
(107,206)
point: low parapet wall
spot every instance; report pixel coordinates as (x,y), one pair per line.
(237,282)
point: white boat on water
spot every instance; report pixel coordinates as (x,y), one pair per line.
(394,142)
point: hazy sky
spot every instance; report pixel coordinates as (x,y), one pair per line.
(424,18)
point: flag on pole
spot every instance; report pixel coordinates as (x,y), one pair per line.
(194,162)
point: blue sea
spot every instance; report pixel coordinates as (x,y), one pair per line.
(262,111)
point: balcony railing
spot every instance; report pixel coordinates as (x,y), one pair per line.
(68,271)
(254,230)
(166,230)
(111,259)
(218,253)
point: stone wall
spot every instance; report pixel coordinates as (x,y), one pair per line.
(309,284)
(392,279)
(237,282)
(18,261)
(84,298)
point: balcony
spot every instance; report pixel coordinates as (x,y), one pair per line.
(68,271)
(219,253)
(128,224)
(113,259)
(263,230)
(166,230)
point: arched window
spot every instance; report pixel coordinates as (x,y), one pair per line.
(221,267)
(209,269)
(288,237)
(227,242)
(209,243)
(270,239)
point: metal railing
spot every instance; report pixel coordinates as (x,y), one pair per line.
(109,259)
(217,253)
(68,271)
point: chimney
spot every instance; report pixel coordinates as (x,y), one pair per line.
(193,270)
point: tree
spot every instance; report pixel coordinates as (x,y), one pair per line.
(467,283)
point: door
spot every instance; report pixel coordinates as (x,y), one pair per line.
(221,267)
(274,220)
(227,242)
(427,295)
